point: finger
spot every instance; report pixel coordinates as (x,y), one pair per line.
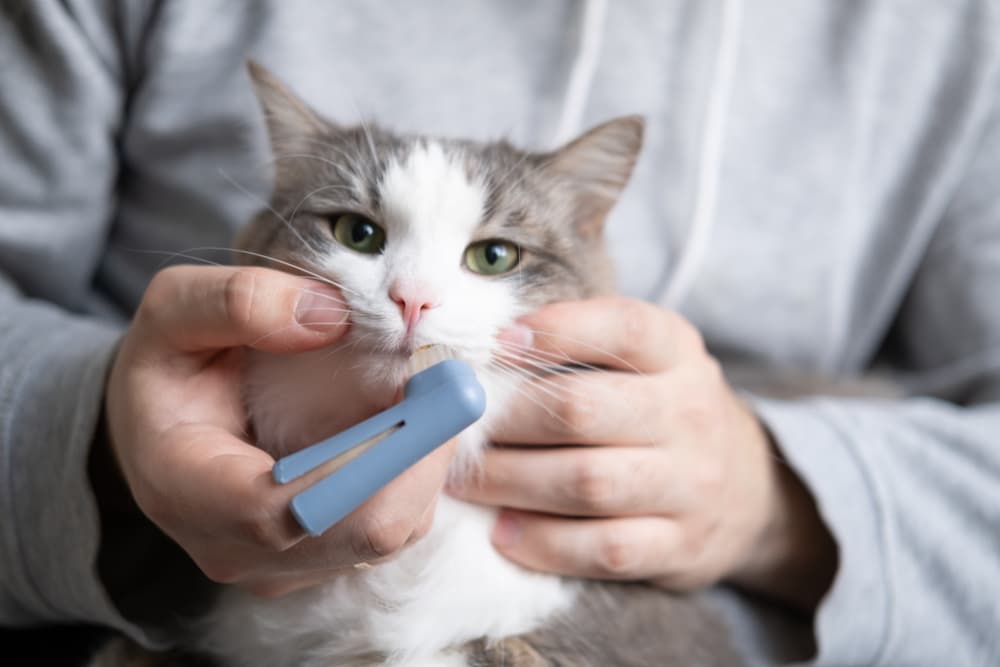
(204,481)
(623,548)
(396,515)
(204,308)
(614,332)
(572,481)
(599,482)
(227,504)
(585,408)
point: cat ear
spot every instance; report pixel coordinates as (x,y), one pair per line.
(597,165)
(289,119)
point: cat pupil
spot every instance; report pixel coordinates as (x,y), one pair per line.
(361,231)
(495,252)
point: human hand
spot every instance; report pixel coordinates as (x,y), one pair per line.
(177,428)
(651,470)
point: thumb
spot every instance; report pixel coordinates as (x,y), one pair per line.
(204,308)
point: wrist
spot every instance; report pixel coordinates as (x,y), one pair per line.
(794,557)
(146,575)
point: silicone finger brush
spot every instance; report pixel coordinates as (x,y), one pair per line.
(438,403)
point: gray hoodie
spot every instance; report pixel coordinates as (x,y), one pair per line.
(820,189)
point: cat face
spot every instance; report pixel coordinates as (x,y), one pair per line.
(436,241)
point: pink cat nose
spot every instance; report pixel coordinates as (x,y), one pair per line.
(413,299)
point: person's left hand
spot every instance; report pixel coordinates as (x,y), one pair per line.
(653,469)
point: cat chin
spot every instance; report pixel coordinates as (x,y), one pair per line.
(296,400)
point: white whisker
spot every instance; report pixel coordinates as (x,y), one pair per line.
(265,205)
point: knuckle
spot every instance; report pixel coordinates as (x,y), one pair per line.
(577,415)
(238,294)
(695,546)
(269,590)
(159,293)
(709,478)
(422,528)
(687,335)
(635,328)
(700,413)
(697,417)
(221,571)
(262,529)
(377,539)
(712,371)
(594,486)
(617,556)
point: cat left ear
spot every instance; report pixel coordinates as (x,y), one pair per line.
(289,118)
(598,165)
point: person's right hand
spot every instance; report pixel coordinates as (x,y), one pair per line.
(178,428)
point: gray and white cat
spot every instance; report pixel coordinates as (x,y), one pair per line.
(448,242)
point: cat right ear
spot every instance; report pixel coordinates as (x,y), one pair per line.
(289,119)
(598,165)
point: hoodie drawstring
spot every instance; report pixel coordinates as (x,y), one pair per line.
(710,158)
(582,73)
(690,258)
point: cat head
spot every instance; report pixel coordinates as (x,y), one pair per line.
(436,240)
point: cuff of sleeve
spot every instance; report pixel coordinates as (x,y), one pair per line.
(52,399)
(852,621)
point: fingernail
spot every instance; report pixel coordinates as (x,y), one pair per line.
(507,531)
(320,308)
(517,335)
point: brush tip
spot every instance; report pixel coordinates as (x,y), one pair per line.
(426,356)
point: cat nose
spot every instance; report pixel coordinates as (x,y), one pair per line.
(413,299)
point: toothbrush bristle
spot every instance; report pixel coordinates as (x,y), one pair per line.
(426,356)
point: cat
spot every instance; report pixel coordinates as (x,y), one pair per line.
(435,241)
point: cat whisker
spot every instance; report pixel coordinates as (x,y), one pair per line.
(549,385)
(515,382)
(169,255)
(531,360)
(561,392)
(526,389)
(557,362)
(344,166)
(260,339)
(576,341)
(322,188)
(270,258)
(265,205)
(186,254)
(517,164)
(318,158)
(369,139)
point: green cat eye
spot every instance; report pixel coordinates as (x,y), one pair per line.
(359,233)
(491,258)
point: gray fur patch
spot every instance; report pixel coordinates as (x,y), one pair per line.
(625,625)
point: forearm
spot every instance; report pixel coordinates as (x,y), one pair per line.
(795,558)
(904,488)
(147,576)
(51,379)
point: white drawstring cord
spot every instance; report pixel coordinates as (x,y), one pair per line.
(582,74)
(710,160)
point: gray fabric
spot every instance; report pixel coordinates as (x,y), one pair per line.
(858,222)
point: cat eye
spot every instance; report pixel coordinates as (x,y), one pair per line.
(491,258)
(359,233)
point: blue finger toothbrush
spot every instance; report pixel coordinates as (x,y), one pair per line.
(438,403)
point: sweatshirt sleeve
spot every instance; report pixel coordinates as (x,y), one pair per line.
(910,489)
(59,117)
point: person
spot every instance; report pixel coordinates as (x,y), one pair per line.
(817,191)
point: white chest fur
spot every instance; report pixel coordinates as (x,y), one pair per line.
(449,588)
